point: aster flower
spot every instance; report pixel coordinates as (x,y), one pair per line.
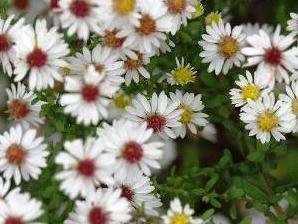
(138,190)
(293,22)
(192,115)
(131,145)
(273,54)
(104,206)
(250,89)
(80,17)
(20,107)
(8,35)
(179,214)
(222,47)
(85,167)
(267,117)
(159,114)
(88,97)
(40,54)
(119,102)
(213,17)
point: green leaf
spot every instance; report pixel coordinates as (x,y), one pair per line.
(246,220)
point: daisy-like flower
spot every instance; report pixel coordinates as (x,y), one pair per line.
(180,11)
(85,167)
(119,103)
(160,113)
(40,53)
(149,33)
(273,54)
(88,97)
(19,208)
(8,35)
(22,154)
(130,143)
(181,75)
(138,190)
(179,214)
(20,107)
(213,17)
(134,67)
(222,47)
(293,22)
(104,62)
(292,98)
(80,17)
(192,115)
(250,89)
(267,117)
(106,206)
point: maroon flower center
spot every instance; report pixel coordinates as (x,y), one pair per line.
(13,220)
(97,216)
(90,93)
(156,122)
(20,4)
(127,193)
(37,58)
(54,4)
(4,43)
(132,152)
(86,167)
(273,56)
(80,8)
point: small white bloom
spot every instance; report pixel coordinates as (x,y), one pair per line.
(20,107)
(22,154)
(222,47)
(267,117)
(293,23)
(160,113)
(85,167)
(209,133)
(179,214)
(88,96)
(192,115)
(105,206)
(119,102)
(40,53)
(130,143)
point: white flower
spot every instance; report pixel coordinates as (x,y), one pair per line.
(273,54)
(251,29)
(250,89)
(20,107)
(293,22)
(102,59)
(292,98)
(9,33)
(267,117)
(180,11)
(148,34)
(131,145)
(85,167)
(222,47)
(87,96)
(138,190)
(4,188)
(105,206)
(160,113)
(179,214)
(22,154)
(117,107)
(192,115)
(40,52)
(80,17)
(209,133)
(20,208)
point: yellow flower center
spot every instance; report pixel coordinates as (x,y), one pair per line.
(66,71)
(124,7)
(295,107)
(176,6)
(121,100)
(228,47)
(186,115)
(179,218)
(250,91)
(199,10)
(267,121)
(213,17)
(183,75)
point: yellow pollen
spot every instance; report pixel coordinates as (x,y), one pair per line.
(66,71)
(199,11)
(124,7)
(213,17)
(99,68)
(267,121)
(121,100)
(179,218)
(183,75)
(186,115)
(228,47)
(295,107)
(250,91)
